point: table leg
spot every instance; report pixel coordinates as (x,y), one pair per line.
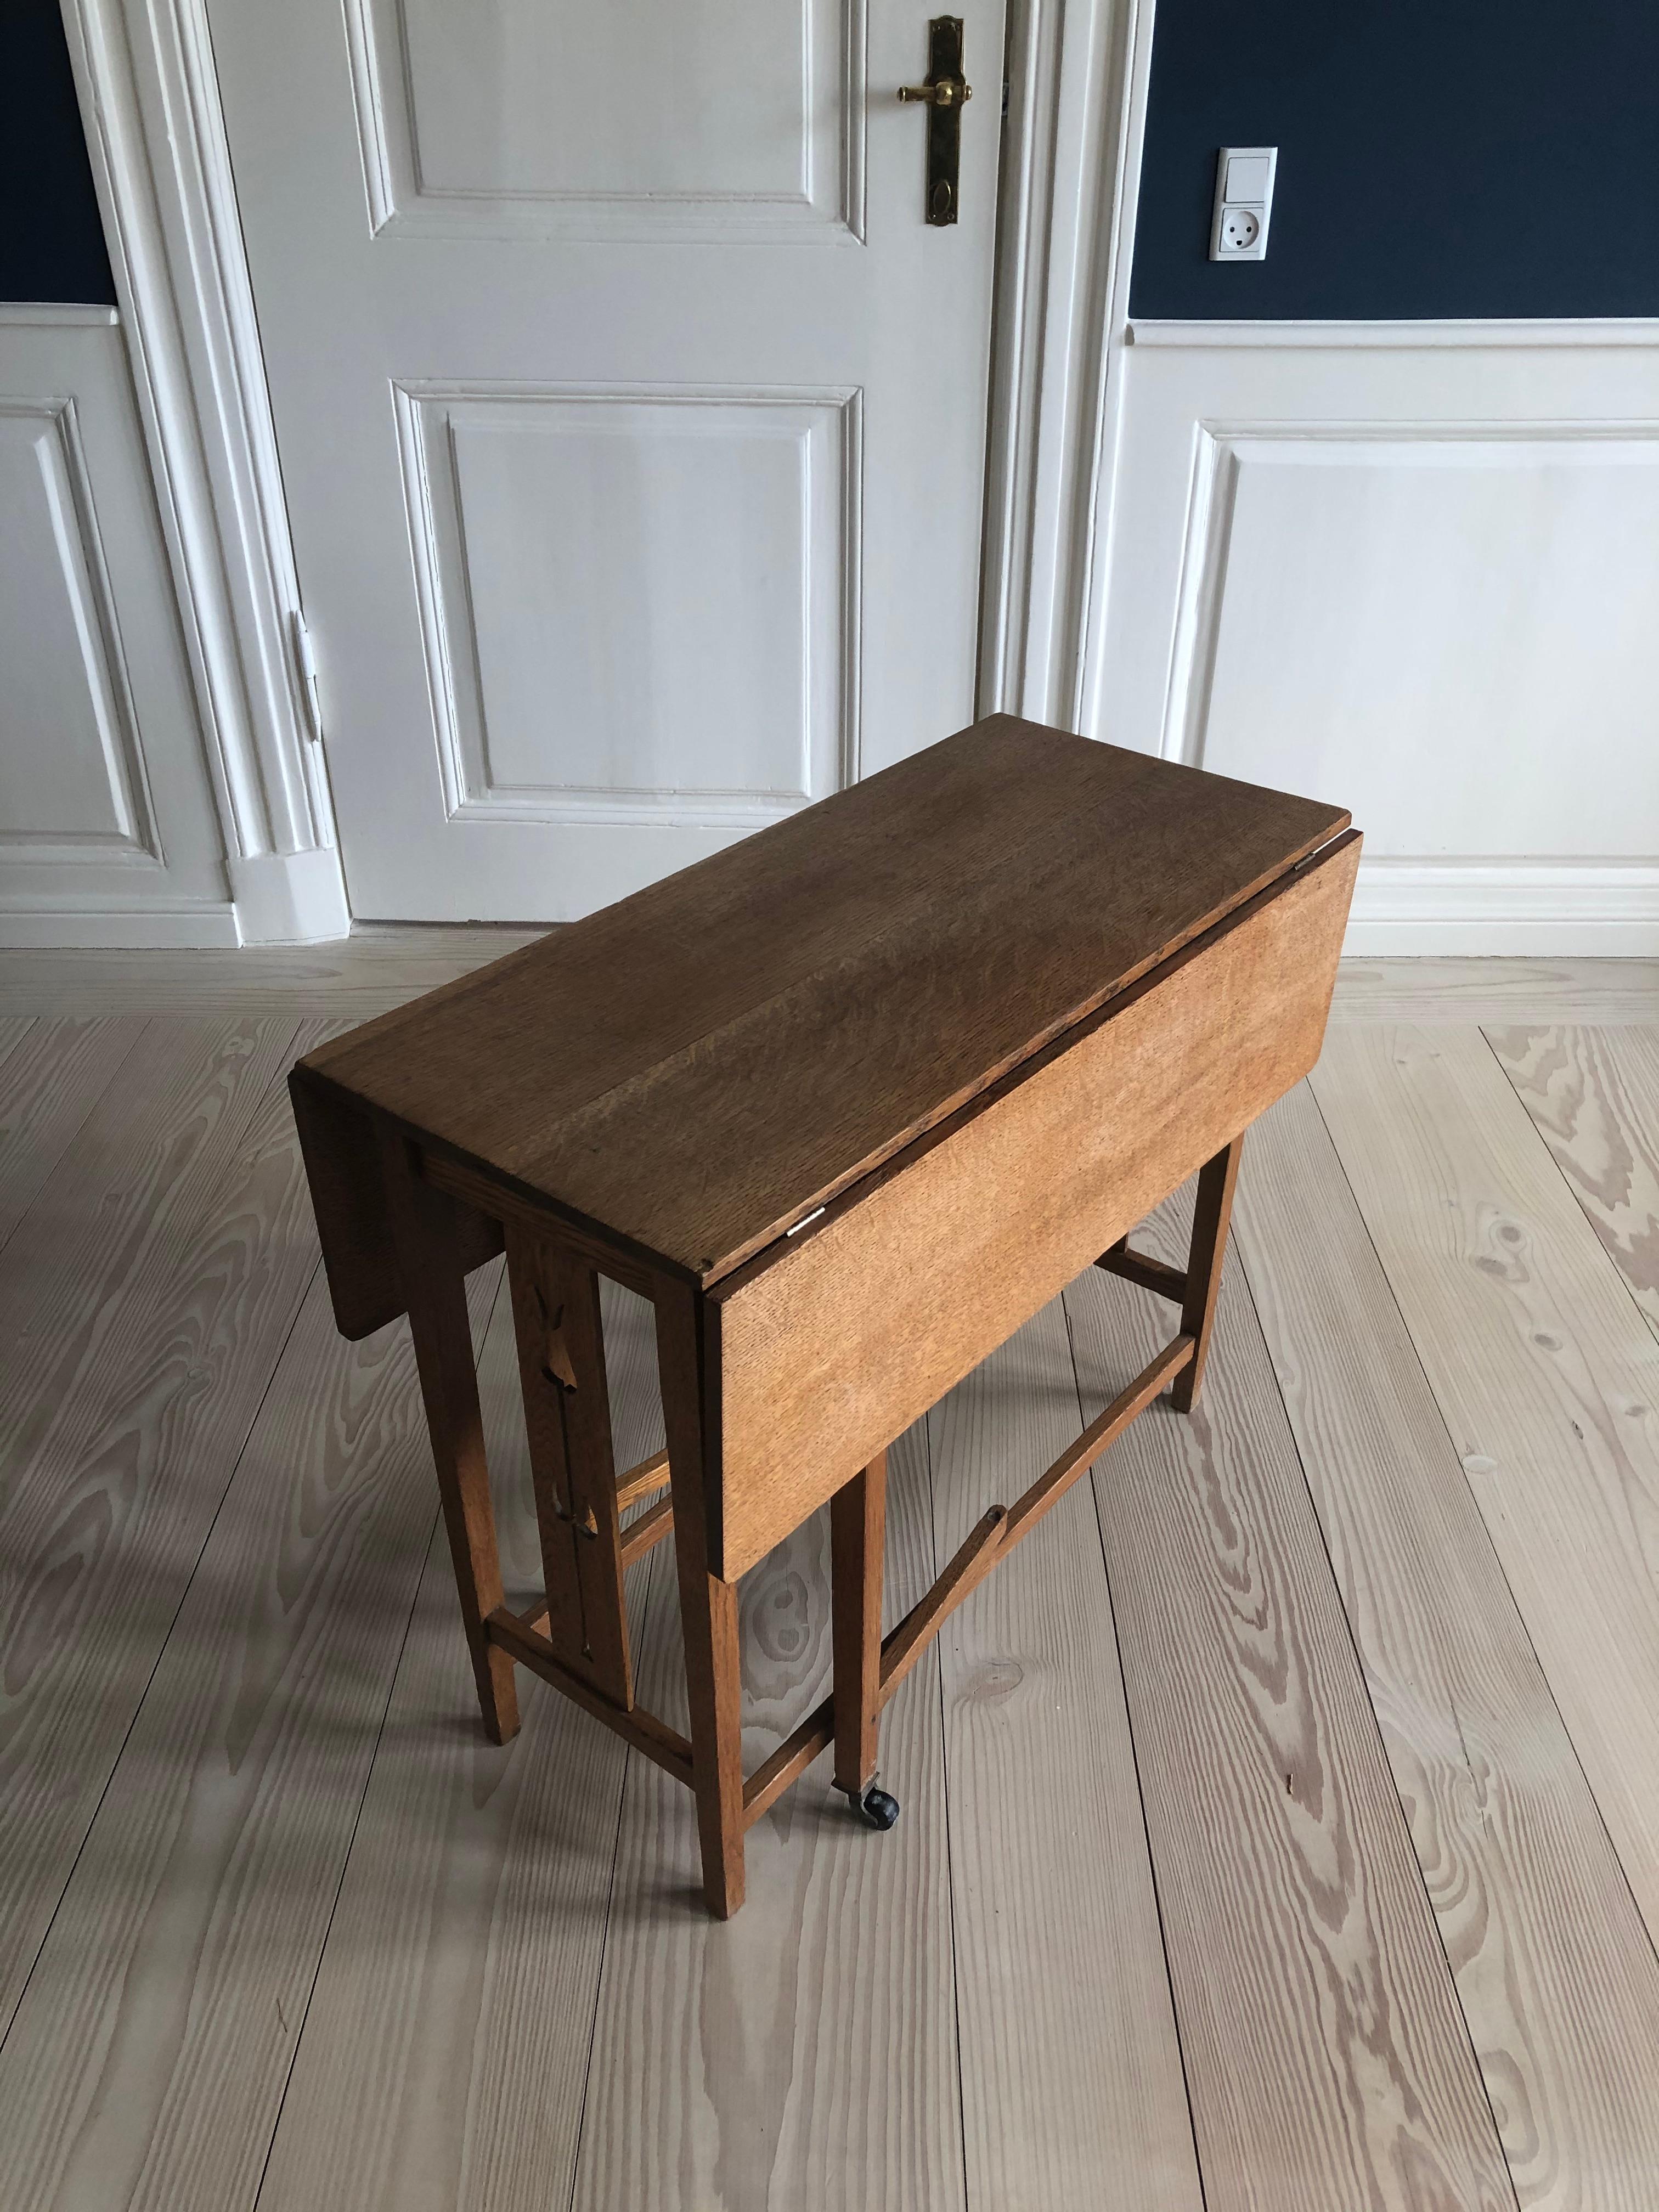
(433,1284)
(1215,1182)
(709,1607)
(567,1410)
(858,1524)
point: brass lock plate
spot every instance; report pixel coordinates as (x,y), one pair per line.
(944,95)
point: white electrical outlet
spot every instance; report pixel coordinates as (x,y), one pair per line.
(1243,202)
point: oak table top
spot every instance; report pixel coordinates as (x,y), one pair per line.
(699,1067)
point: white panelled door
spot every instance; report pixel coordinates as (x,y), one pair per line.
(631,416)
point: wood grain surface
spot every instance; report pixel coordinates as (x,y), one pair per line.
(1073,2094)
(803,2053)
(149,2053)
(1506,991)
(104,1517)
(379,966)
(52,1073)
(384,965)
(1328,2062)
(1533,1908)
(444,2054)
(1594,1097)
(868,1317)
(567,1405)
(124,1196)
(1545,1371)
(277,1846)
(700,1065)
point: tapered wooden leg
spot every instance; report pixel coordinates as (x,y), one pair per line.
(709,1607)
(434,1290)
(858,1529)
(1211,1216)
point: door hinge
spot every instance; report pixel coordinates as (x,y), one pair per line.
(305,664)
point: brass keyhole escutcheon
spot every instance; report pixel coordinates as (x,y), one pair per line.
(944,95)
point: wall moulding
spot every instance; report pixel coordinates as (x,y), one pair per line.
(1077,74)
(1553,333)
(157,139)
(1417,579)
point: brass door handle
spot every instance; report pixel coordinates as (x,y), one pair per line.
(944,95)
(949,91)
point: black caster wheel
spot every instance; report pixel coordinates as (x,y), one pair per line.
(879,1809)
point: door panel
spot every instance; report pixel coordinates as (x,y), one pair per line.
(737,112)
(632,418)
(603,572)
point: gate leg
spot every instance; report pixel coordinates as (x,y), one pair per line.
(567,1408)
(709,1607)
(434,1290)
(1215,1182)
(858,1526)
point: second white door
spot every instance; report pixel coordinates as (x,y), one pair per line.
(631,417)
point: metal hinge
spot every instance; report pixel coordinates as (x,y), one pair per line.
(305,663)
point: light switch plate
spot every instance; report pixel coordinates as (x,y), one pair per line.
(1244,203)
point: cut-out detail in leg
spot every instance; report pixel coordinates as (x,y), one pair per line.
(556,1313)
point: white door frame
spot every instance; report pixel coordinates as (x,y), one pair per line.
(150,101)
(1060,320)
(155,134)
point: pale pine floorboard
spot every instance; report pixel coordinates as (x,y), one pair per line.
(52,1075)
(1545,1371)
(1594,1097)
(143,1302)
(463,1954)
(150,2050)
(1072,2082)
(1532,1904)
(1279,1824)
(1497,991)
(1328,2062)
(805,2052)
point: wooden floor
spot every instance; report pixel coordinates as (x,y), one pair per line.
(1281,1827)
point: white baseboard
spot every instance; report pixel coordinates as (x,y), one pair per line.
(137,928)
(290,898)
(1538,909)
(281,899)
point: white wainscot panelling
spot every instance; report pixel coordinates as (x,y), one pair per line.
(71,777)
(742,118)
(1360,571)
(1449,630)
(636,607)
(107,829)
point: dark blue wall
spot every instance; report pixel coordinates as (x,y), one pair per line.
(51,242)
(1435,157)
